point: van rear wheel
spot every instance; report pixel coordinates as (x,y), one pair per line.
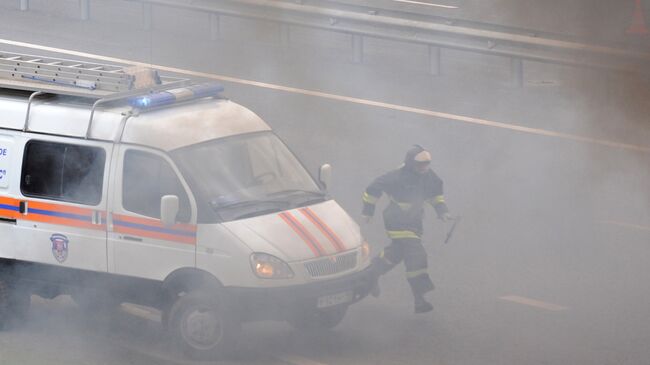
(200,326)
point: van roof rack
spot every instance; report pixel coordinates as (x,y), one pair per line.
(142,88)
(68,77)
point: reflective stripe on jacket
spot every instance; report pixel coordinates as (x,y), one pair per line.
(408,192)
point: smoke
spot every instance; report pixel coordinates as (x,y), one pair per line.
(533,206)
(593,21)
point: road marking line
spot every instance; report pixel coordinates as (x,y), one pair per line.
(533,303)
(627,225)
(378,104)
(428,4)
(297,360)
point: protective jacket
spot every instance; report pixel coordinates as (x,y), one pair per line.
(408,191)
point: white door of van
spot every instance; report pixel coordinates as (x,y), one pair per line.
(61,208)
(139,244)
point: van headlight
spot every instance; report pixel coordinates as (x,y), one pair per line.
(365,251)
(267,266)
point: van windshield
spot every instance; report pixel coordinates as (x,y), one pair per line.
(246,175)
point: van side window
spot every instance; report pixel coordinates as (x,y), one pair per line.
(65,172)
(147,178)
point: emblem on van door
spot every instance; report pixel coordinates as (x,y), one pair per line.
(59,247)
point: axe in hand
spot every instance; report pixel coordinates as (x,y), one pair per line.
(453,228)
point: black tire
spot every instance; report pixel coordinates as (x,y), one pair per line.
(202,327)
(319,319)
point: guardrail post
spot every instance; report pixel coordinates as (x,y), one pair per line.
(24,5)
(215,28)
(84,7)
(357,48)
(434,60)
(517,71)
(285,35)
(146,16)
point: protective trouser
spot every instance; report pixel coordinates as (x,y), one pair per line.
(410,250)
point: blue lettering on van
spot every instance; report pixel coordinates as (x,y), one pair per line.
(3,173)
(3,152)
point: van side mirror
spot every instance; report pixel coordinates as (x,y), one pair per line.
(168,209)
(325,175)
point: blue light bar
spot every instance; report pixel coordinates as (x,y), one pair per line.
(175,95)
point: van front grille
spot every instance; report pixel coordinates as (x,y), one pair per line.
(332,265)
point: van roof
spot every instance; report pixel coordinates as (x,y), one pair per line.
(176,126)
(114,103)
(191,123)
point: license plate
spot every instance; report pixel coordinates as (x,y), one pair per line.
(334,299)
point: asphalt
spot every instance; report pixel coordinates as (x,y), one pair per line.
(547,266)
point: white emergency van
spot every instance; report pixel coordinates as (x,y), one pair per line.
(163,193)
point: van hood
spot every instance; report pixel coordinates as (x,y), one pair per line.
(299,234)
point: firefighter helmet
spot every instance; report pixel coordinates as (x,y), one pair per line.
(417,159)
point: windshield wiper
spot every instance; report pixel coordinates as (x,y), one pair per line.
(296,191)
(248,208)
(307,197)
(245,203)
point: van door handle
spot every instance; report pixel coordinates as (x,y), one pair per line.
(131,238)
(23,207)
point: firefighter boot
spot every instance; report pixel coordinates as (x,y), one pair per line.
(421,305)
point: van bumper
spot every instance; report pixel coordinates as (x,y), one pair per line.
(281,303)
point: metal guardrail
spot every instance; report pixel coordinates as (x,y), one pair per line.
(360,24)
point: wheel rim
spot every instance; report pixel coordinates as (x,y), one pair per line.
(202,328)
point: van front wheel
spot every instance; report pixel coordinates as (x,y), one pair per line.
(200,325)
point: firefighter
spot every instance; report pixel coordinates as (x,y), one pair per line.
(409,188)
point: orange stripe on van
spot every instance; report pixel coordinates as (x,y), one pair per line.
(307,233)
(301,232)
(60,214)
(154,222)
(9,201)
(9,207)
(50,213)
(61,208)
(153,228)
(35,217)
(324,228)
(155,235)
